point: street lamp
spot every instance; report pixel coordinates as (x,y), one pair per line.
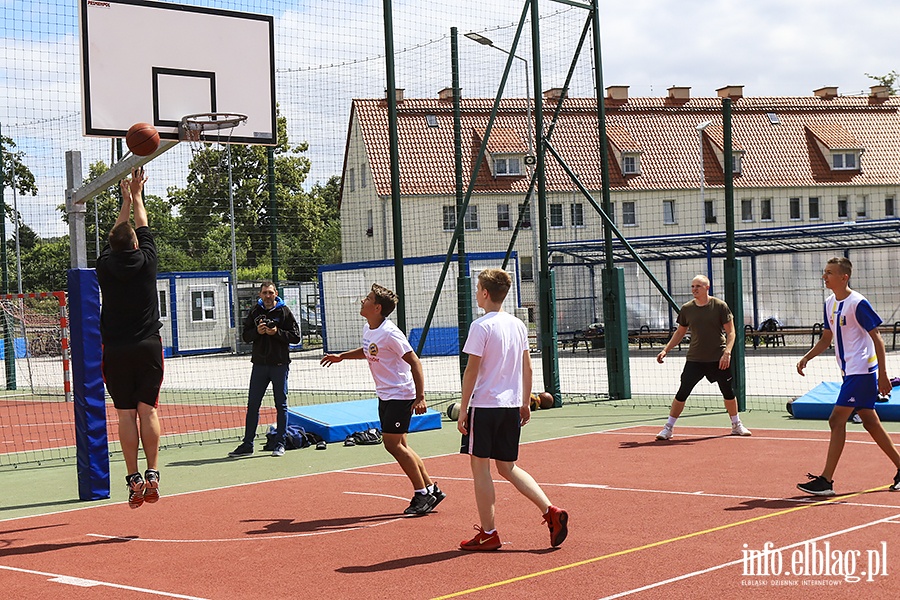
(529,128)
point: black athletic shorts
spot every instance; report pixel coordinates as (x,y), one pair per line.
(134,372)
(493,433)
(395,415)
(695,371)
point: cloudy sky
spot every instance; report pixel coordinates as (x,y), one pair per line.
(331,51)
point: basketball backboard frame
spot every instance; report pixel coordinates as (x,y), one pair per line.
(197,60)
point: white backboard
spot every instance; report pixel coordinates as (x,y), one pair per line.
(157,62)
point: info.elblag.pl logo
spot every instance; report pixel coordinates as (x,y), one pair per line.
(813,563)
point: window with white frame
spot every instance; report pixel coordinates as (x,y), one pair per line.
(709,211)
(556,215)
(890,208)
(843,207)
(449,218)
(203,305)
(631,164)
(765,209)
(736,160)
(526,265)
(814,208)
(747,210)
(351,179)
(525,215)
(669,212)
(507,165)
(577,214)
(503,221)
(844,161)
(471,220)
(862,207)
(629,216)
(163,305)
(794,207)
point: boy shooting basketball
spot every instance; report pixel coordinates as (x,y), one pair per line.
(400,384)
(496,397)
(853,324)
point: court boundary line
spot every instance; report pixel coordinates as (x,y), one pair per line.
(614,430)
(741,560)
(647,546)
(82,581)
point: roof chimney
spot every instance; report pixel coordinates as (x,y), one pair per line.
(880,91)
(731,91)
(554,94)
(398,95)
(679,93)
(827,92)
(446,94)
(617,92)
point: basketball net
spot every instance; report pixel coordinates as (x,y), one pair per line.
(204,129)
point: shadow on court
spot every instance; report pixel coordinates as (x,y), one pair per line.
(292,526)
(429,559)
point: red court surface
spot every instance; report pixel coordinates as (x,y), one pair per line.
(648,519)
(34,426)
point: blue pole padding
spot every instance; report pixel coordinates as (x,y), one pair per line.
(91,443)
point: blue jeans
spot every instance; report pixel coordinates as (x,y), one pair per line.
(260,377)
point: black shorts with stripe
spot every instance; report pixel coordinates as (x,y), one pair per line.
(493,433)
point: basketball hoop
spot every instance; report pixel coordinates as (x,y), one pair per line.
(192,127)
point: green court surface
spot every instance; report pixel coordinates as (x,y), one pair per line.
(38,489)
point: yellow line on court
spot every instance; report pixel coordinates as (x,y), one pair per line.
(655,544)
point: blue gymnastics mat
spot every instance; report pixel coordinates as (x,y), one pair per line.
(336,421)
(818,402)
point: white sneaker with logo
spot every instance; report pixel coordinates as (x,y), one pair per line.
(666,433)
(739,429)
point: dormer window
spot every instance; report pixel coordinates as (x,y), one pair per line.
(844,160)
(631,163)
(507,165)
(737,159)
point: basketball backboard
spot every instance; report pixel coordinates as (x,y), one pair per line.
(157,62)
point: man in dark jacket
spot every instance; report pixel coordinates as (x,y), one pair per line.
(271,328)
(129,327)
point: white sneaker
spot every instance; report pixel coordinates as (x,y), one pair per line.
(739,429)
(665,434)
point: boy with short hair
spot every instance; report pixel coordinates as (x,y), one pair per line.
(496,394)
(400,384)
(859,349)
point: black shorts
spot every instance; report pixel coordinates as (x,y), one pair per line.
(493,433)
(695,371)
(133,373)
(395,415)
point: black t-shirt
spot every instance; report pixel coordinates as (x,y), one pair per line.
(129,309)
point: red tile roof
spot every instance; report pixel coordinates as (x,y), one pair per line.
(783,155)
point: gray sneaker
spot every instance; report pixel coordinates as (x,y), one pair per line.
(279,450)
(665,434)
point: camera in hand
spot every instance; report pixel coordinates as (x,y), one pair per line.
(267,322)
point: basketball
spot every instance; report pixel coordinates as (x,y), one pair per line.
(453,411)
(142,139)
(546,400)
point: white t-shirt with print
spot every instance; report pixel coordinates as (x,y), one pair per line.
(500,339)
(851,320)
(384,348)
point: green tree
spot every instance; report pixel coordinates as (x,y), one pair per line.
(15,170)
(891,80)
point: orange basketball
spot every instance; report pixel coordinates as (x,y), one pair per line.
(142,139)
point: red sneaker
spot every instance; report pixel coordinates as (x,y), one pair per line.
(557,519)
(481,541)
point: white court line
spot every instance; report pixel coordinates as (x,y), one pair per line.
(602,486)
(741,560)
(81,582)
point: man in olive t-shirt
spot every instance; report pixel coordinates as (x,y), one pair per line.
(709,355)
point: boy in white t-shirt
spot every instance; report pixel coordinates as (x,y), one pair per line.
(496,398)
(853,325)
(400,385)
